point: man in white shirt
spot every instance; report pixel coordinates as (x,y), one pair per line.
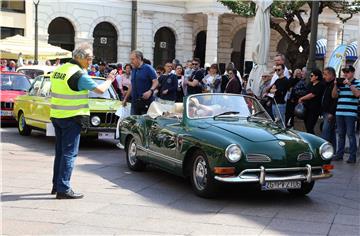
(279,59)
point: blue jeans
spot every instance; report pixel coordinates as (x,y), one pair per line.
(67,132)
(346,126)
(328,130)
(282,109)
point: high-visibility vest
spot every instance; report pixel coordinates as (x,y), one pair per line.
(66,102)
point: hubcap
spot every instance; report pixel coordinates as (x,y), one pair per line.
(21,122)
(200,173)
(132,153)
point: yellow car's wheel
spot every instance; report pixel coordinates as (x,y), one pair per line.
(23,128)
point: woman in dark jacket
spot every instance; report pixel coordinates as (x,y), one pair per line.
(312,101)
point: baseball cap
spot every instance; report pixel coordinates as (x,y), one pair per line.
(349,68)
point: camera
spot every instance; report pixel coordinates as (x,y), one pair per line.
(340,81)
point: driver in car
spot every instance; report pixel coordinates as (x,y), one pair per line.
(198,110)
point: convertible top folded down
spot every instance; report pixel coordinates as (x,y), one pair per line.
(165,109)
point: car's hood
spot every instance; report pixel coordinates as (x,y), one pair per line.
(104,104)
(256,131)
(10,95)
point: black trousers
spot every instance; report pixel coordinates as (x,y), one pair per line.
(310,120)
(289,114)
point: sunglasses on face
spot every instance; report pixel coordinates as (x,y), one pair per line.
(278,70)
(312,75)
(195,64)
(346,71)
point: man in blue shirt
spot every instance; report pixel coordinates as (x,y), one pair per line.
(348,93)
(143,84)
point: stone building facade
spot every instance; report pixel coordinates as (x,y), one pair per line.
(171,29)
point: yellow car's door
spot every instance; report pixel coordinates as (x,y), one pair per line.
(42,106)
(29,105)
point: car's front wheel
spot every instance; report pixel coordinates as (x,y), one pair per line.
(202,179)
(305,189)
(131,156)
(23,128)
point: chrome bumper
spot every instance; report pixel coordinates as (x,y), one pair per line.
(263,175)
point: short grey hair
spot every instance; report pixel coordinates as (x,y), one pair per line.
(282,56)
(138,54)
(81,52)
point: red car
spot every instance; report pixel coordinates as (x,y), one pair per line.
(13,84)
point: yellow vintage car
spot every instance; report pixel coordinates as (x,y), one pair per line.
(32,111)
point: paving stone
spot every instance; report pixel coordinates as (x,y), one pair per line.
(299,226)
(347,219)
(344,230)
(18,227)
(306,216)
(39,215)
(225,230)
(241,220)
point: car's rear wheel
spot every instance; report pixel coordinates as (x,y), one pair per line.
(23,128)
(202,179)
(131,156)
(305,189)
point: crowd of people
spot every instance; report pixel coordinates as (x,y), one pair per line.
(281,90)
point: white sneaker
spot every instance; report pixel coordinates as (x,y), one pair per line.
(119,145)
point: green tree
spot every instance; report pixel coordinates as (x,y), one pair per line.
(286,13)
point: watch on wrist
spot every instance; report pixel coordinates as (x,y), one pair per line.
(152,90)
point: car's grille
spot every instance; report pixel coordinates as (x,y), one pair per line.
(257,158)
(305,156)
(7,105)
(108,119)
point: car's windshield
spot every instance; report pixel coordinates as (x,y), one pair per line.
(14,82)
(224,105)
(109,94)
(32,73)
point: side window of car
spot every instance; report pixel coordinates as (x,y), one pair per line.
(36,86)
(45,88)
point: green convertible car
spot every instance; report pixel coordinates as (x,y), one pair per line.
(215,138)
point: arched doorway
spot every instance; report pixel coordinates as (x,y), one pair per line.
(164,46)
(61,33)
(105,42)
(200,47)
(238,53)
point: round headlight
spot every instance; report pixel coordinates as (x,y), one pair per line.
(326,151)
(233,153)
(95,121)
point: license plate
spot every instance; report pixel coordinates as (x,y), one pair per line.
(274,185)
(106,135)
(6,113)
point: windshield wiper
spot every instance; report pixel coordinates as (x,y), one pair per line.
(255,114)
(226,113)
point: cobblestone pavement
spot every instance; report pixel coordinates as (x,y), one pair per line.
(118,201)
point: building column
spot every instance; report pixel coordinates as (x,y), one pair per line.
(332,38)
(249,39)
(212,38)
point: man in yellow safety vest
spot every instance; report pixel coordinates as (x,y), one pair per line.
(70,85)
